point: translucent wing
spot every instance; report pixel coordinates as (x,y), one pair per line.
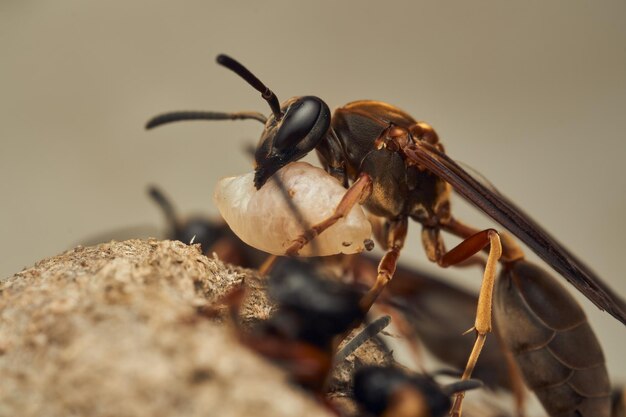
(521,225)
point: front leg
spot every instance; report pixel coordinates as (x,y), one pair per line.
(357,193)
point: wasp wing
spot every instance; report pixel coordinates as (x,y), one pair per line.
(521,225)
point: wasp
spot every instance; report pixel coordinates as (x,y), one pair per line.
(312,316)
(397,168)
(212,235)
(196,229)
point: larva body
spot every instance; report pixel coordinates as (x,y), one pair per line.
(264,219)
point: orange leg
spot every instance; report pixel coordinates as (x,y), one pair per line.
(510,249)
(267,265)
(511,252)
(387,266)
(357,193)
(482,325)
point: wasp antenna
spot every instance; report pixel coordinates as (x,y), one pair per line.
(267,94)
(165,204)
(465,385)
(180,116)
(371,330)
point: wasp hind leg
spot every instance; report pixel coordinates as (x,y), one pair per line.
(511,252)
(465,250)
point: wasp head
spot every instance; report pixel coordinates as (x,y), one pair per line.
(291,131)
(302,124)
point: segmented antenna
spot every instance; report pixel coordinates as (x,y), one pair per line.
(371,330)
(267,94)
(180,116)
(166,206)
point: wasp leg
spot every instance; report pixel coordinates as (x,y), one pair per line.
(357,193)
(511,252)
(482,325)
(396,236)
(267,265)
(364,273)
(435,248)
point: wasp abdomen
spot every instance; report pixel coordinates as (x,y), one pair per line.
(553,343)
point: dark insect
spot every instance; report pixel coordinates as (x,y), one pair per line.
(213,236)
(437,313)
(198,229)
(397,168)
(430,313)
(312,317)
(390,391)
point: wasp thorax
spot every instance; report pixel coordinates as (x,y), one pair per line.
(424,131)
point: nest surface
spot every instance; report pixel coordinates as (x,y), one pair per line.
(115,330)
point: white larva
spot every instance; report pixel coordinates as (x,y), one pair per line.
(263,219)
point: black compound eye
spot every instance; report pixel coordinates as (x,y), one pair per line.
(300,118)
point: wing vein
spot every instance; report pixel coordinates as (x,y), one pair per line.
(505,212)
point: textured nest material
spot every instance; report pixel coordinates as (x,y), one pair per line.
(114,330)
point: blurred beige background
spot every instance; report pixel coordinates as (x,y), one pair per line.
(532,95)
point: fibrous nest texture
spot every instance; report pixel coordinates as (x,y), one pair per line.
(118,330)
